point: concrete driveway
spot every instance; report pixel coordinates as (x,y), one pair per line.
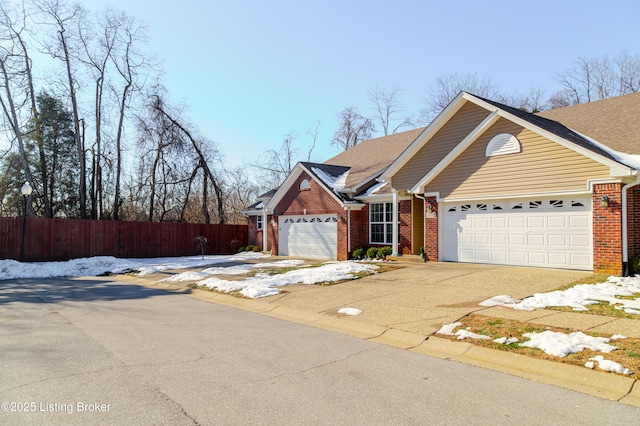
(421,297)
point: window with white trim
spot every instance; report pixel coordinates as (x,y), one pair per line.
(381,223)
(259,224)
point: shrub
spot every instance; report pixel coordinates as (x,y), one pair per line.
(372,252)
(241,249)
(248,248)
(257,248)
(235,245)
(383,252)
(635,265)
(358,254)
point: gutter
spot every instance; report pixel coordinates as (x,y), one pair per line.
(625,238)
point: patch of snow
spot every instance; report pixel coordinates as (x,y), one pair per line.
(618,337)
(263,285)
(608,365)
(579,297)
(447,329)
(334,182)
(375,188)
(350,311)
(561,344)
(466,334)
(630,160)
(499,301)
(506,340)
(100,265)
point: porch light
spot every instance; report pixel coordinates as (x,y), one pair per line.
(604,202)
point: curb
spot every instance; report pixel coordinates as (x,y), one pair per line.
(580,379)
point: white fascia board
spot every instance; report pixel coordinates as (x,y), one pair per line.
(616,169)
(251,212)
(277,197)
(454,153)
(381,198)
(424,137)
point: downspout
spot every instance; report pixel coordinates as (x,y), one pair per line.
(265,230)
(424,242)
(348,230)
(625,239)
(394,231)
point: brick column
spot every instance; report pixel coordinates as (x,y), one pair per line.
(431,228)
(607,229)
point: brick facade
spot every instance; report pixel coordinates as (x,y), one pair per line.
(633,222)
(607,229)
(431,228)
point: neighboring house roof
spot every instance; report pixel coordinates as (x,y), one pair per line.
(370,158)
(614,122)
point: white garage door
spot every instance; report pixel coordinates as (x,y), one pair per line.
(314,236)
(548,232)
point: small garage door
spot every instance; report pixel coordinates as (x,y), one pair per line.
(547,232)
(314,236)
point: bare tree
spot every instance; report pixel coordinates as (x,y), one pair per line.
(387,106)
(445,89)
(239,193)
(16,84)
(198,146)
(98,39)
(353,129)
(275,165)
(592,79)
(64,19)
(129,63)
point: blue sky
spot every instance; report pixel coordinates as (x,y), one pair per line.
(252,71)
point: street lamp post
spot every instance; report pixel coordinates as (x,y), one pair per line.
(26,191)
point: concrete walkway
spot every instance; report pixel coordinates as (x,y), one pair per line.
(405,307)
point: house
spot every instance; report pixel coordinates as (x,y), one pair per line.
(483,183)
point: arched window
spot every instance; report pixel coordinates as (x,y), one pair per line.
(305,185)
(503,143)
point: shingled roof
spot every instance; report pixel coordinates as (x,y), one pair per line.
(369,158)
(556,128)
(614,122)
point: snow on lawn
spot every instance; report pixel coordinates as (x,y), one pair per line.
(100,265)
(579,297)
(561,344)
(262,285)
(553,343)
(232,270)
(259,285)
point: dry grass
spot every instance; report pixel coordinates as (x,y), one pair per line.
(628,353)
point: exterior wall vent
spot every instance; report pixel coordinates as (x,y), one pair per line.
(502,144)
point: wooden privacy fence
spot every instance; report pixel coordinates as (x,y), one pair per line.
(64,239)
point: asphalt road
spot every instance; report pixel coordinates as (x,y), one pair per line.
(94,351)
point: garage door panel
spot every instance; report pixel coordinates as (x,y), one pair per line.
(579,222)
(535,221)
(516,222)
(557,222)
(308,236)
(551,232)
(556,240)
(517,239)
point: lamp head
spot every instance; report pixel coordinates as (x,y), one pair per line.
(26,189)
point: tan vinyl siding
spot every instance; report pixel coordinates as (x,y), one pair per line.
(460,125)
(542,166)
